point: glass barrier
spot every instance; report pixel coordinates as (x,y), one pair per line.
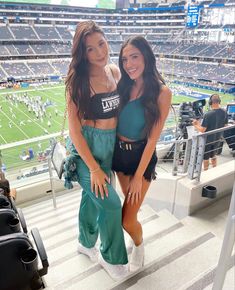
(28,158)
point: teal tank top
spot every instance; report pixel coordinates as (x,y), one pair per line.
(131,121)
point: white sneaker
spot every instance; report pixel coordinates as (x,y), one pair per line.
(92,253)
(137,258)
(117,272)
(130,243)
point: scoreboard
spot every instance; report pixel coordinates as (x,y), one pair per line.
(192,16)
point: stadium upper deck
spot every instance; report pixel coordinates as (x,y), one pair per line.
(35,40)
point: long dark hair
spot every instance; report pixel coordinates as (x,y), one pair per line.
(152,81)
(77,80)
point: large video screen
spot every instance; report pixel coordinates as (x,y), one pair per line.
(109,4)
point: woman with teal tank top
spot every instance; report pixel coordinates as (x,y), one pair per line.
(145,103)
(92,103)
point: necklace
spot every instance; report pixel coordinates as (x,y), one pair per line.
(103,81)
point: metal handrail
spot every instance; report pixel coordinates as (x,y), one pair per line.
(197,153)
(193,153)
(227,246)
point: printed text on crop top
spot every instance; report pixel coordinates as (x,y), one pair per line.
(103,106)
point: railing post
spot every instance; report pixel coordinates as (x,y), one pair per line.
(176,158)
(227,246)
(193,157)
(52,181)
(195,164)
(187,153)
(197,152)
(200,155)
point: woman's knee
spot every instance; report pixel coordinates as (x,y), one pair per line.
(128,223)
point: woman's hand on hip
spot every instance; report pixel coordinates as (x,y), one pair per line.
(99,182)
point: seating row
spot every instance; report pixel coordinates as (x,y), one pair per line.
(19,263)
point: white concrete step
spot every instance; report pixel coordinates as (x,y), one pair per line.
(62,221)
(62,227)
(159,244)
(64,244)
(64,257)
(176,252)
(61,253)
(58,229)
(205,279)
(177,268)
(229,282)
(213,217)
(46,206)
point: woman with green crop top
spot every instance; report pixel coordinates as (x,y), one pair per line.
(145,103)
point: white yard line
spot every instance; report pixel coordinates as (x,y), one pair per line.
(3,139)
(32,140)
(33,90)
(31,119)
(59,123)
(15,124)
(35,121)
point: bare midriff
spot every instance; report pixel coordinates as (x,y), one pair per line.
(105,124)
(125,139)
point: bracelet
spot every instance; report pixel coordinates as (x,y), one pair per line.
(95,170)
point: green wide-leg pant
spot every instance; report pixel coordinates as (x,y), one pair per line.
(97,216)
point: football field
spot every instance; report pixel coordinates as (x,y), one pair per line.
(39,112)
(20,120)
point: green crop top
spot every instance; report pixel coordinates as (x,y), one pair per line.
(131,120)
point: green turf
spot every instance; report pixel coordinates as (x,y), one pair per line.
(33,127)
(225,98)
(13,130)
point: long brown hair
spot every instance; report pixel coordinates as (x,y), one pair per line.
(77,80)
(152,81)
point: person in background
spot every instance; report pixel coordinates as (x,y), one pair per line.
(214,119)
(145,103)
(92,102)
(5,186)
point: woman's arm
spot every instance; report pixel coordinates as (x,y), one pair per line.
(164,103)
(98,177)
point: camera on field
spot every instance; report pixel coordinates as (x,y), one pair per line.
(189,111)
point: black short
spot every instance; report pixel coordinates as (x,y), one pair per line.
(211,150)
(127,157)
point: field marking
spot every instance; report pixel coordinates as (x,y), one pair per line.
(32,140)
(35,121)
(31,90)
(30,119)
(53,98)
(15,125)
(3,139)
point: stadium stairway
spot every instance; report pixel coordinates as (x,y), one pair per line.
(179,254)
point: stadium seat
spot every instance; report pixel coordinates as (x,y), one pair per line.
(11,222)
(4,202)
(19,268)
(11,218)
